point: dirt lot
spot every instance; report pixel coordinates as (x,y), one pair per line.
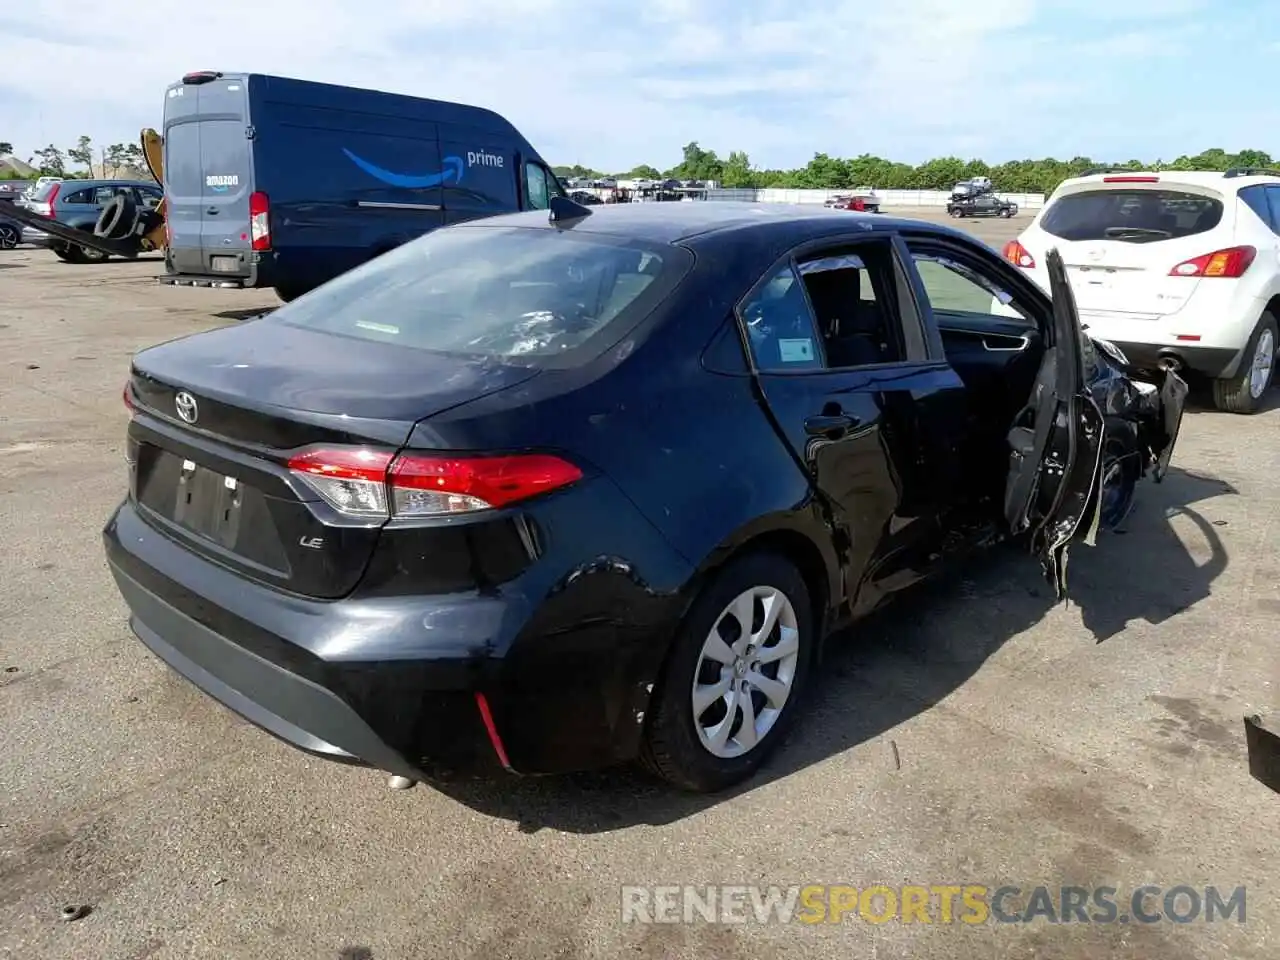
(977,734)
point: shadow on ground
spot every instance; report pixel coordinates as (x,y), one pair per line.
(902,660)
(252,313)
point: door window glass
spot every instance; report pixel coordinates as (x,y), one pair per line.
(854,301)
(955,287)
(536,191)
(780,328)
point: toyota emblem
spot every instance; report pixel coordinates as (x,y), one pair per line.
(187,408)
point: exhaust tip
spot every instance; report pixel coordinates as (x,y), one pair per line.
(1170,361)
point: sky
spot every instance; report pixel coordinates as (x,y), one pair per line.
(613,85)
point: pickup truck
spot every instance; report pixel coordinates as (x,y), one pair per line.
(982,205)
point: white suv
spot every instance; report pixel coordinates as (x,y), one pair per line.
(1174,267)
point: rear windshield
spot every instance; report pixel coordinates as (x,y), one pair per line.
(41,193)
(1133,216)
(544,297)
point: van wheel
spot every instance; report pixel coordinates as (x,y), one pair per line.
(1245,392)
(734,677)
(287,294)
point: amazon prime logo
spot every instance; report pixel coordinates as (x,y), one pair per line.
(186,405)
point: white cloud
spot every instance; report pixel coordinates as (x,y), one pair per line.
(615,87)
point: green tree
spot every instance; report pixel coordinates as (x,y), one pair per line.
(643,172)
(698,164)
(82,153)
(115,156)
(6,148)
(1014,176)
(51,161)
(737,171)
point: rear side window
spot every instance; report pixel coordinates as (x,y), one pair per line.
(543,296)
(80,196)
(1131,216)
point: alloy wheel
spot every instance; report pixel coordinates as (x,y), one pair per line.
(746,671)
(8,237)
(1264,358)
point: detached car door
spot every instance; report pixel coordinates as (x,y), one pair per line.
(1056,442)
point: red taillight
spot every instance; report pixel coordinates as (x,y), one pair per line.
(1231,262)
(374,483)
(1146,178)
(1017,254)
(259,221)
(128,398)
(45,207)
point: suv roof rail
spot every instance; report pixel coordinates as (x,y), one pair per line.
(1251,172)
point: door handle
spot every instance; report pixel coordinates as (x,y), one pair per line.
(212,211)
(830,425)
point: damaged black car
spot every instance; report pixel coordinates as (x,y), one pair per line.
(566,489)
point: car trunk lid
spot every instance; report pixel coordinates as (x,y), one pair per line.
(219,416)
(1121,243)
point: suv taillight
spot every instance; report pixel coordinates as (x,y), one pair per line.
(259,221)
(1230,262)
(1017,254)
(359,482)
(45,207)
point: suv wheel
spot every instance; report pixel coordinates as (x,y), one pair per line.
(733,679)
(1244,392)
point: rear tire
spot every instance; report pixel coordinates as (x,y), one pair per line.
(766,676)
(74,253)
(289,294)
(1246,391)
(9,237)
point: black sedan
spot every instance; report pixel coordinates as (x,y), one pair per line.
(546,492)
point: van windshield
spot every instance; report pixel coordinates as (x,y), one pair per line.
(541,296)
(1132,216)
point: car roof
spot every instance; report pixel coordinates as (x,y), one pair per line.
(1216,179)
(672,222)
(110,183)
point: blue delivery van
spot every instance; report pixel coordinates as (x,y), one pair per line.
(274,182)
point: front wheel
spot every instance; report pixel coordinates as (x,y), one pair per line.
(74,253)
(1244,392)
(957,213)
(734,676)
(9,237)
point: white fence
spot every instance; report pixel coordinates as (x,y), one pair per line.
(888,198)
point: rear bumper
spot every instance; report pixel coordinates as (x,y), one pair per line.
(1207,361)
(392,682)
(186,268)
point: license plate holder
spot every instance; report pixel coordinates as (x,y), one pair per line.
(224,264)
(208,504)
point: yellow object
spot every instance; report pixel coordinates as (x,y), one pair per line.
(153,152)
